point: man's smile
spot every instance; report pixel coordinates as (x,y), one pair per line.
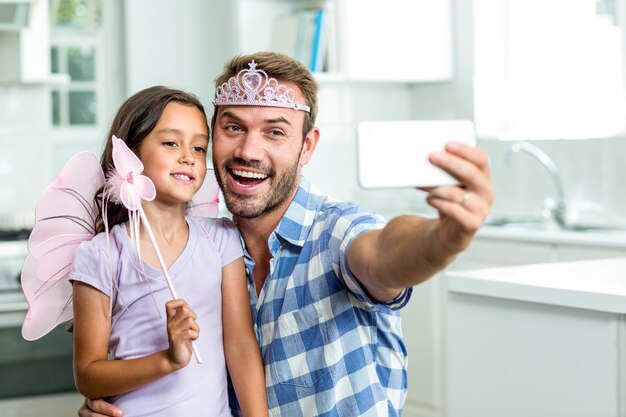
(248,178)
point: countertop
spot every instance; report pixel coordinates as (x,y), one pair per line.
(596,285)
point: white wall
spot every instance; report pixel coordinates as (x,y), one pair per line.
(176,43)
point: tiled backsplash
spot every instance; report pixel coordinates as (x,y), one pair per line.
(592,171)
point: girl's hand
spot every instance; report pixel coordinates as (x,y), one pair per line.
(182,329)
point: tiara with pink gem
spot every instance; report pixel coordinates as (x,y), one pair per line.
(253,87)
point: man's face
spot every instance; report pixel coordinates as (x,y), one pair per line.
(257,155)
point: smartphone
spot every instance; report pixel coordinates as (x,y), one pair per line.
(395,154)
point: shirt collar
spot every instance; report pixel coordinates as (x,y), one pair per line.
(297,220)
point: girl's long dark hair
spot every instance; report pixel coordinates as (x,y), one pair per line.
(134,121)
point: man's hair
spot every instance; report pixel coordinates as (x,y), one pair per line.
(134,121)
(285,69)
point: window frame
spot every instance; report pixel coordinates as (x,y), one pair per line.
(109,80)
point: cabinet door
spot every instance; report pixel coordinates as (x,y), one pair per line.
(423,320)
(395,40)
(25,54)
(422,326)
(398,40)
(519,359)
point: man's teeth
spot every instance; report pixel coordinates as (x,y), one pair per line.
(182,177)
(248,174)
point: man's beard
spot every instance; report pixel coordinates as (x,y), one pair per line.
(247,206)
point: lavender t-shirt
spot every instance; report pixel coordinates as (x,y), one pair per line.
(138,318)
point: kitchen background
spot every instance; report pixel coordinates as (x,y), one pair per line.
(66,66)
(116,48)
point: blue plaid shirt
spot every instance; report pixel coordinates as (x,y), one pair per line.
(328,348)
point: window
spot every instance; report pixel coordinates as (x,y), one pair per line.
(75,49)
(548,69)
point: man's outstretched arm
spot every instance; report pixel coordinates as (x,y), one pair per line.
(410,249)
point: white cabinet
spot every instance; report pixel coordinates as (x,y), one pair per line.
(520,359)
(395,40)
(544,340)
(398,40)
(426,317)
(422,325)
(25,53)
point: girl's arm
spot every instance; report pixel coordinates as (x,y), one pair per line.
(96,376)
(241,348)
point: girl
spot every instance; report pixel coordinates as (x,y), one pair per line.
(121,347)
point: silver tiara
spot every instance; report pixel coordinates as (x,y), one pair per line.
(253,87)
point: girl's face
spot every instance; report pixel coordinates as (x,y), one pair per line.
(174,153)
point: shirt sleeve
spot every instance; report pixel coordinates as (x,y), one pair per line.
(225,236)
(348,226)
(93,266)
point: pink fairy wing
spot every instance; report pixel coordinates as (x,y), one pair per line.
(65,216)
(67,205)
(46,284)
(61,248)
(49,303)
(205,203)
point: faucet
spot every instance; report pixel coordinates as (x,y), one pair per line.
(558,208)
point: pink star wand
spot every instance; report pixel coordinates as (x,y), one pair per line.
(125,185)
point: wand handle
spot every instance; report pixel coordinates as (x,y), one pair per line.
(144,220)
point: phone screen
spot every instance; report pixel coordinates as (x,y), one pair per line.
(395,154)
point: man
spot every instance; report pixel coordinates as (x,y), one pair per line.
(326,279)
